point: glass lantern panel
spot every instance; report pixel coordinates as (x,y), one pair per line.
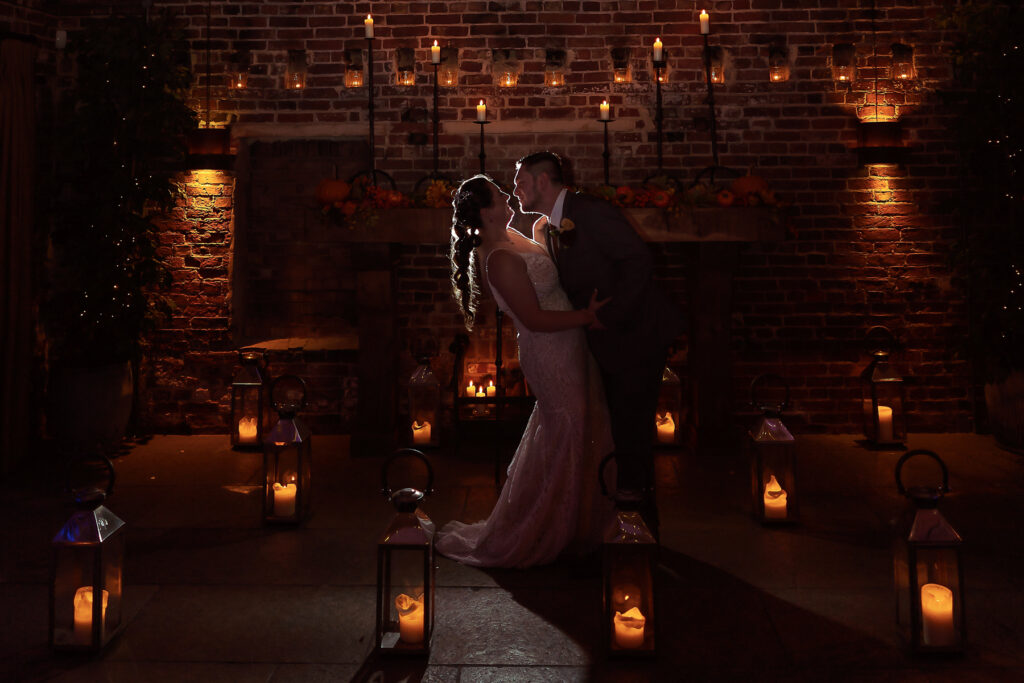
(939,597)
(78,571)
(287,480)
(406,592)
(246,414)
(885,418)
(668,416)
(629,598)
(774,477)
(424,406)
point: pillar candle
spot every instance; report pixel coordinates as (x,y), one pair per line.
(629,629)
(435,53)
(937,615)
(471,390)
(491,389)
(368,25)
(705,22)
(605,110)
(659,52)
(284,500)
(247,430)
(775,503)
(481,111)
(666,428)
(884,423)
(421,433)
(410,618)
(83,614)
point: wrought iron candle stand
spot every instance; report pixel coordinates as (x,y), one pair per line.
(659,113)
(482,155)
(713,122)
(369,89)
(607,155)
(435,174)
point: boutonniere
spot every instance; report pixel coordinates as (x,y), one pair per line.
(563,232)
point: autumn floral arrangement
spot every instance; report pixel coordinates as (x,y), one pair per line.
(358,202)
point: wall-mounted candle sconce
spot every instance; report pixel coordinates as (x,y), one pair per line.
(448,73)
(505,67)
(778,64)
(554,68)
(902,63)
(353,68)
(240,62)
(844,62)
(295,77)
(716,56)
(405,66)
(620,65)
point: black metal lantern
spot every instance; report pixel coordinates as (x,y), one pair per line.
(667,418)
(405,568)
(287,455)
(424,405)
(883,393)
(247,403)
(628,556)
(928,570)
(772,451)
(87,573)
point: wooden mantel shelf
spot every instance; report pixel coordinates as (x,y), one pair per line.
(741,224)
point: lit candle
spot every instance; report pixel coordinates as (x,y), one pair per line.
(491,389)
(284,500)
(410,618)
(666,428)
(705,22)
(937,615)
(658,51)
(481,111)
(421,433)
(629,629)
(774,500)
(480,393)
(435,53)
(471,390)
(605,111)
(247,430)
(368,24)
(884,423)
(83,614)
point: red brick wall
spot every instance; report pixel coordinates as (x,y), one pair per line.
(868,245)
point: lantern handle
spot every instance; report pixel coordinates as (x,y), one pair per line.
(76,493)
(282,407)
(781,407)
(256,355)
(385,487)
(921,451)
(887,340)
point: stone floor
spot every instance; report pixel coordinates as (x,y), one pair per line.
(213,595)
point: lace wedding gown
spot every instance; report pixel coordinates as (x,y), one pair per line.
(550,501)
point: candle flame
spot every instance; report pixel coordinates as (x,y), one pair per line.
(369,17)
(435,43)
(772,489)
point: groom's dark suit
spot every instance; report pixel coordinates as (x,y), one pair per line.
(603,252)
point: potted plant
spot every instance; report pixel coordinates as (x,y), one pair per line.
(120,131)
(988,58)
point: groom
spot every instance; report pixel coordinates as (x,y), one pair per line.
(595,247)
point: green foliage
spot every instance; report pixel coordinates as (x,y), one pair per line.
(121,133)
(988,57)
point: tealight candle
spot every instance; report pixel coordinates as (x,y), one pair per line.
(629,629)
(480,393)
(605,111)
(435,53)
(659,52)
(284,500)
(83,614)
(368,25)
(421,433)
(481,111)
(705,22)
(410,618)
(775,500)
(937,615)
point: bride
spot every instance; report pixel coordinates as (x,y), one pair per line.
(548,503)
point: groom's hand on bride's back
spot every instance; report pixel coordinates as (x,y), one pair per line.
(593,306)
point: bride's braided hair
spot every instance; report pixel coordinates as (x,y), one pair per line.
(472,196)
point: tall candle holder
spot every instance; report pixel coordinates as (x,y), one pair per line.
(435,174)
(606,154)
(482,155)
(369,89)
(658,112)
(711,107)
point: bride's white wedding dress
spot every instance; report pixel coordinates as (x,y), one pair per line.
(550,501)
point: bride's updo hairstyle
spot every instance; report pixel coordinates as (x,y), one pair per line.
(472,196)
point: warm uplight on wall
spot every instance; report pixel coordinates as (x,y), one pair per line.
(902,62)
(295,77)
(844,63)
(778,65)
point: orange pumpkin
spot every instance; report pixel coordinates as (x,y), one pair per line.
(748,184)
(330,191)
(725,198)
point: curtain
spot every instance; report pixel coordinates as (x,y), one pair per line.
(17,162)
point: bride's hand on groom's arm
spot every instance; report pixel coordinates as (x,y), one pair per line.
(592,308)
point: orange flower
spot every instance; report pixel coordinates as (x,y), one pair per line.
(660,199)
(725,198)
(624,195)
(349,208)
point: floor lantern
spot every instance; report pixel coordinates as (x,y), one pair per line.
(883,393)
(287,456)
(424,405)
(928,569)
(628,556)
(772,451)
(87,574)
(405,568)
(247,402)
(668,415)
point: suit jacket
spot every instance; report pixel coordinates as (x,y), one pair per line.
(606,254)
